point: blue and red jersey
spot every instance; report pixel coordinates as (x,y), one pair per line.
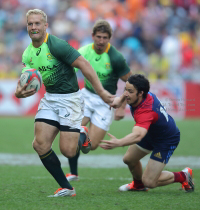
(152,115)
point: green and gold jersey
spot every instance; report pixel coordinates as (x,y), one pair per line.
(53,59)
(109,66)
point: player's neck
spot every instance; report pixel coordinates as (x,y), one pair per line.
(99,52)
(38,43)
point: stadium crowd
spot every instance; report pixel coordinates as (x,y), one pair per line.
(160,38)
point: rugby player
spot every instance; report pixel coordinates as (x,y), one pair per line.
(155,131)
(61,108)
(110,66)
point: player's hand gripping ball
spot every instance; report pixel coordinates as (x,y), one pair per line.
(33,78)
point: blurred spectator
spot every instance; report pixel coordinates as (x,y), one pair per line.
(160,38)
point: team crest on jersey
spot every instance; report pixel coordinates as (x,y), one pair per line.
(107,66)
(49,57)
(31,61)
(23,65)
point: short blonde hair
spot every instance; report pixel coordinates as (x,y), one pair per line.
(37,12)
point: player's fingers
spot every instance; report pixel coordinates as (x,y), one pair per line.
(105,141)
(30,93)
(24,87)
(110,135)
(104,146)
(18,83)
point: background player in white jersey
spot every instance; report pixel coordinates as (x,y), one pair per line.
(61,108)
(110,66)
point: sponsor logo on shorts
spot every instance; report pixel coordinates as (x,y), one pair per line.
(67,115)
(158,155)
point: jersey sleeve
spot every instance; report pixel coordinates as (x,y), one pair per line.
(81,51)
(62,50)
(144,118)
(25,62)
(118,63)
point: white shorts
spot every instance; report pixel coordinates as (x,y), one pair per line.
(66,110)
(97,110)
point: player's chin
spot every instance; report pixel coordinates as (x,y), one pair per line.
(34,37)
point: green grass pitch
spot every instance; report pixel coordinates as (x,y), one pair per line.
(27,187)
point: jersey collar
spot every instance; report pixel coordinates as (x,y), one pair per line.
(46,38)
(107,48)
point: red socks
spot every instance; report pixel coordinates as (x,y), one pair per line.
(179,176)
(138,184)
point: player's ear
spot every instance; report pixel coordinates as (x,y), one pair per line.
(141,93)
(46,25)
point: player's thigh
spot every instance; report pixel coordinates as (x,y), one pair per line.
(152,172)
(96,134)
(85,121)
(97,110)
(44,135)
(133,155)
(103,117)
(69,143)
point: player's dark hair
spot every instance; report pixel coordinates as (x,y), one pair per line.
(102,26)
(140,83)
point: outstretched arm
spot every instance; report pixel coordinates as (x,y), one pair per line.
(91,75)
(118,101)
(132,138)
(120,112)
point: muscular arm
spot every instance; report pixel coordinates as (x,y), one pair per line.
(120,112)
(132,138)
(90,74)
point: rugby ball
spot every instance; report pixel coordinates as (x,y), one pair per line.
(33,78)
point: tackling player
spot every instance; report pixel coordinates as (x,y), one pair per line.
(155,131)
(61,108)
(110,66)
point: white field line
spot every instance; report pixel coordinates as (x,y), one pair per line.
(95,161)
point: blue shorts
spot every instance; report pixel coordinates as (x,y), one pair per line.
(162,149)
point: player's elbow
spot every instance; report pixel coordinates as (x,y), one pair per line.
(138,138)
(140,133)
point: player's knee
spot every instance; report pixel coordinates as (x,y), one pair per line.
(35,145)
(148,182)
(94,146)
(69,153)
(40,147)
(127,160)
